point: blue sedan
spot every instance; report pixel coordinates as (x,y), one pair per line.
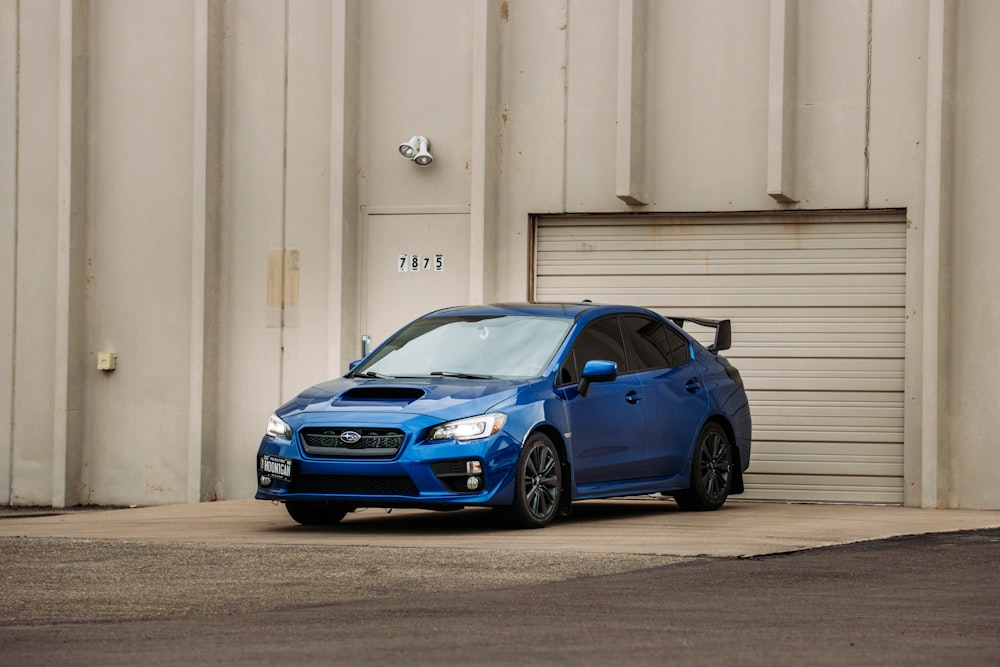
(521,407)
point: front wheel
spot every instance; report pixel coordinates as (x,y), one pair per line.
(711,471)
(316,513)
(538,486)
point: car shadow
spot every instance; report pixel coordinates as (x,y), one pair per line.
(478,520)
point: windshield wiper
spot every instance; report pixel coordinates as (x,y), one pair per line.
(370,374)
(464,376)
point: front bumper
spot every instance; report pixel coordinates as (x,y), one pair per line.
(439,475)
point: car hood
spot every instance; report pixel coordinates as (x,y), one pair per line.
(439,398)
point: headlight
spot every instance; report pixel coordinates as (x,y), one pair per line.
(471,428)
(277,428)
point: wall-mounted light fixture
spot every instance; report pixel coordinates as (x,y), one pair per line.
(416,150)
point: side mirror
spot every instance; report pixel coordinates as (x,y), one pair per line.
(597,370)
(354,364)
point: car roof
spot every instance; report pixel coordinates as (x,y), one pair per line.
(564,310)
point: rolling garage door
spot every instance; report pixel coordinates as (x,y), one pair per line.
(817,304)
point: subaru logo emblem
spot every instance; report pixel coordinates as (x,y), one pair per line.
(350,437)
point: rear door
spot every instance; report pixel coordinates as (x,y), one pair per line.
(673,398)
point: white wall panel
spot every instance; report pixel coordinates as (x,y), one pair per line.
(252,210)
(898,75)
(973,294)
(139,194)
(416,80)
(34,316)
(307,214)
(894,105)
(831,107)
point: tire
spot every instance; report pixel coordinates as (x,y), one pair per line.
(711,471)
(538,485)
(316,513)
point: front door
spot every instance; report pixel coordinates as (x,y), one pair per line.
(607,431)
(607,424)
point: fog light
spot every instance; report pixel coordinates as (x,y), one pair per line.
(473,483)
(265,481)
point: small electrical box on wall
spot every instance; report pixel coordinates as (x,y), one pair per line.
(106,361)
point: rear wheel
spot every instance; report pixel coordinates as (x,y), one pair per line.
(711,471)
(538,487)
(316,513)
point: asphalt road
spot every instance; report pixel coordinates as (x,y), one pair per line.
(925,600)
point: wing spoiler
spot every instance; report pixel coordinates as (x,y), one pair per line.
(723,331)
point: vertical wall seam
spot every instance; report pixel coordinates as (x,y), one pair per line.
(485,145)
(932,302)
(196,400)
(781,100)
(284,205)
(630,135)
(346,223)
(565,105)
(335,243)
(479,168)
(17,241)
(868,108)
(71,206)
(63,116)
(8,492)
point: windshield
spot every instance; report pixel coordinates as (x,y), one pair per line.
(509,346)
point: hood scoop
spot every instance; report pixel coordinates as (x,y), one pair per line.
(365,395)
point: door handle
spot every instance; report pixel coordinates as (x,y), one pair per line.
(633,397)
(693,385)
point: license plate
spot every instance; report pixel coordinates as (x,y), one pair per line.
(276,467)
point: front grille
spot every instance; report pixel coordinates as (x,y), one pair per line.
(359,485)
(352,442)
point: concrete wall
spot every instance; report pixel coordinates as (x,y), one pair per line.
(185,182)
(973,285)
(8,233)
(30,372)
(138,249)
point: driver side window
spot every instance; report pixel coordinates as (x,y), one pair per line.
(601,339)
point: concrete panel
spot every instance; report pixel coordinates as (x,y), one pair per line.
(34,343)
(591,95)
(898,96)
(897,150)
(251,221)
(342,304)
(416,80)
(138,251)
(832,80)
(708,97)
(9,29)
(973,412)
(532,90)
(307,199)
(69,357)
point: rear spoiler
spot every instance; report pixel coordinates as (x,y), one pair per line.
(723,331)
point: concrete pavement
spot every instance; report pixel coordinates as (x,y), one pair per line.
(627,526)
(619,582)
